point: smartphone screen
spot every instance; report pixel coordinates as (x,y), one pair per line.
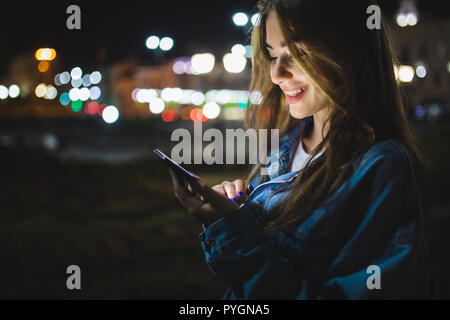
(175,166)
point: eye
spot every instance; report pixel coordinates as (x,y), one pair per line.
(272,58)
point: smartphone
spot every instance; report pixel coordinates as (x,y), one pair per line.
(175,166)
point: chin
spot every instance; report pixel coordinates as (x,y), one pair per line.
(297,112)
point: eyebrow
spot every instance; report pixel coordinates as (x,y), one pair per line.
(282,44)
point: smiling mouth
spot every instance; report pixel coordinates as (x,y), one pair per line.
(295,92)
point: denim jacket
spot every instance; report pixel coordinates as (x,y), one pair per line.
(366,241)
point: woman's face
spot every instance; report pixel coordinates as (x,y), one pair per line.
(303,97)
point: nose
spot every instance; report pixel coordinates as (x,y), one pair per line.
(279,72)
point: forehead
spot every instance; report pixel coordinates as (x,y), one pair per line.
(274,37)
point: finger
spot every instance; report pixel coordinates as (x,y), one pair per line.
(220,189)
(180,190)
(240,187)
(231,191)
(212,195)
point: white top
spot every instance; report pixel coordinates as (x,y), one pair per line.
(301,157)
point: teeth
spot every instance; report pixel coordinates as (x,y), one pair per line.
(294,93)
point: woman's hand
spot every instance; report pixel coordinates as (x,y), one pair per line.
(235,190)
(211,205)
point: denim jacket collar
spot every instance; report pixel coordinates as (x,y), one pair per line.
(280,158)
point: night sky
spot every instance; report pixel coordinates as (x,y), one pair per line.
(121,27)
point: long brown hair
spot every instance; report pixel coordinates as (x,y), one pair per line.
(354,67)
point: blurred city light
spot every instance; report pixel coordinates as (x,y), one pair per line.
(407,14)
(96,77)
(40,90)
(95,93)
(168,115)
(76,73)
(74,94)
(234,63)
(64,78)
(84,94)
(76,105)
(248,51)
(202,63)
(238,49)
(45,54)
(255,97)
(406,73)
(419,112)
(402,21)
(157,105)
(64,99)
(86,80)
(240,19)
(166,43)
(421,71)
(51,92)
(110,114)
(76,83)
(152,42)
(448,66)
(255,19)
(3,92)
(14,91)
(197,98)
(182,65)
(196,114)
(57,80)
(93,107)
(434,111)
(43,66)
(211,110)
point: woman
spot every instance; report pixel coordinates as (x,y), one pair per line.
(342,216)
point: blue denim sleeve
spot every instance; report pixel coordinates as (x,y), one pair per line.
(238,251)
(385,256)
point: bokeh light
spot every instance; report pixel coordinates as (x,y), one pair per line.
(197,98)
(110,114)
(95,93)
(157,105)
(152,42)
(64,78)
(84,94)
(240,19)
(86,80)
(74,94)
(76,105)
(43,66)
(234,63)
(51,93)
(421,71)
(14,91)
(211,110)
(256,19)
(40,90)
(64,99)
(3,92)
(238,49)
(76,73)
(93,107)
(168,115)
(96,77)
(202,63)
(196,114)
(166,43)
(405,73)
